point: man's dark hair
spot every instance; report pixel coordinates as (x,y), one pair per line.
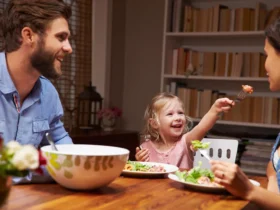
(272,33)
(36,14)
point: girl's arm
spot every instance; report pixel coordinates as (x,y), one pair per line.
(272,179)
(209,119)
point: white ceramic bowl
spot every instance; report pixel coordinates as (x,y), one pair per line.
(84,167)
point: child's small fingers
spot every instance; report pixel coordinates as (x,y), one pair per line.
(142,154)
(145,156)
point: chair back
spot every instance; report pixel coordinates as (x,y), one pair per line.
(219,149)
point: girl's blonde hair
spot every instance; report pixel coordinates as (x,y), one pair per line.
(152,110)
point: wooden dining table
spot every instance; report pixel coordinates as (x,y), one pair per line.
(124,193)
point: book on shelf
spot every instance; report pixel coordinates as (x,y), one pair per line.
(272,15)
(220,17)
(213,136)
(228,64)
(256,154)
(261,14)
(259,153)
(254,171)
(177,15)
(259,142)
(220,64)
(254,160)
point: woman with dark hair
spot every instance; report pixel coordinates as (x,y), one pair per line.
(230,175)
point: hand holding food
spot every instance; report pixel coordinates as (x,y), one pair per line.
(142,154)
(232,178)
(222,105)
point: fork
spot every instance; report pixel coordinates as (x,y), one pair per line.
(240,96)
(205,153)
(50,140)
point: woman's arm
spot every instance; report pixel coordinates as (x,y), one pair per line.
(237,183)
(264,198)
(209,119)
(272,179)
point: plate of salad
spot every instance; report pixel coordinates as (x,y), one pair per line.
(147,168)
(200,180)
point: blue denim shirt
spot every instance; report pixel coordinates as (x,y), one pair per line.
(277,169)
(40,112)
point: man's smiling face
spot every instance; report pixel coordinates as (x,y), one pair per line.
(51,49)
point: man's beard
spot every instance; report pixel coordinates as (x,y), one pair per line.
(43,62)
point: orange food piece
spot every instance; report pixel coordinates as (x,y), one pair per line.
(248,88)
(128,167)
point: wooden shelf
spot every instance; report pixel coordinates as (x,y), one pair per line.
(227,34)
(253,171)
(244,124)
(226,84)
(255,79)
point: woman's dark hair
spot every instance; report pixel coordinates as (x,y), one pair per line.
(36,14)
(272,33)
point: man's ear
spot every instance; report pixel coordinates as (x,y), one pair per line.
(28,36)
(153,123)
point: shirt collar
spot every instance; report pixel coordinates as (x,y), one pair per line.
(6,83)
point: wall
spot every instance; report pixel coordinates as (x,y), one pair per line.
(135,76)
(117,53)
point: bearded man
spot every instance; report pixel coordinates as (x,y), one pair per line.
(36,39)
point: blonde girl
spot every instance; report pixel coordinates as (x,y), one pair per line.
(168,130)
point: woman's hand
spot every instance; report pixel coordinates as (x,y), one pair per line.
(142,154)
(232,178)
(222,105)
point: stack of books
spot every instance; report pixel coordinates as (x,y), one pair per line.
(256,155)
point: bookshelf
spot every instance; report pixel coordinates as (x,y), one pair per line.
(204,58)
(195,28)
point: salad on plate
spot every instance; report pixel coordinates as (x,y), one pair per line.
(197,175)
(142,167)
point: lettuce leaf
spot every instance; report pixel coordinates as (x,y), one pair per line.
(194,174)
(200,145)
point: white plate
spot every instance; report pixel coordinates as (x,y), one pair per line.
(168,169)
(204,188)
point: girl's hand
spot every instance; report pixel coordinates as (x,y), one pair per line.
(232,178)
(192,148)
(222,105)
(142,154)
